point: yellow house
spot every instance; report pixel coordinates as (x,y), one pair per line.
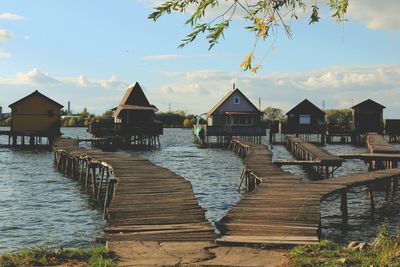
(36,114)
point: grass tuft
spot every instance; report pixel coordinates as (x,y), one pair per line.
(384,251)
(48,256)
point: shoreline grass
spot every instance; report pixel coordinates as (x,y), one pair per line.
(383,252)
(98,256)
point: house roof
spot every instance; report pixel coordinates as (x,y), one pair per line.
(305,104)
(38,94)
(134,97)
(368,102)
(226,97)
(136,107)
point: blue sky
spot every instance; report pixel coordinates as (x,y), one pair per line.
(88,52)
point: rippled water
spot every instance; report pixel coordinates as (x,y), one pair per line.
(38,204)
(214,173)
(362,224)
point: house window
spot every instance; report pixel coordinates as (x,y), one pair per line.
(50,113)
(236,100)
(305,119)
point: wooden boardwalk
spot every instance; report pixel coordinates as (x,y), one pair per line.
(321,162)
(283,209)
(377,144)
(142,201)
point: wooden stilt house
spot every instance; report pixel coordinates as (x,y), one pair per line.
(306,119)
(368,117)
(35,116)
(234,116)
(134,120)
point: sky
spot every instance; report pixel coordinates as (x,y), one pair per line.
(89,52)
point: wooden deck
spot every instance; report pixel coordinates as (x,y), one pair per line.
(320,162)
(377,144)
(313,152)
(283,209)
(142,200)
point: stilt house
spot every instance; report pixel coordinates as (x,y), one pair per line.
(36,114)
(368,117)
(134,120)
(235,115)
(305,118)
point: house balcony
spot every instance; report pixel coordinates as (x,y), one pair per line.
(100,129)
(234,130)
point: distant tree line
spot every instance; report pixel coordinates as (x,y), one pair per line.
(82,119)
(177,119)
(5,121)
(343,116)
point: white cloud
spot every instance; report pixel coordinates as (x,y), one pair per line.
(35,77)
(98,95)
(376,14)
(10,16)
(5,35)
(198,91)
(338,86)
(4,54)
(161,57)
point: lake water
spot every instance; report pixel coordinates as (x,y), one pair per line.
(40,205)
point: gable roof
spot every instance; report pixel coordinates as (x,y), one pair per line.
(369,102)
(134,96)
(305,104)
(226,97)
(38,94)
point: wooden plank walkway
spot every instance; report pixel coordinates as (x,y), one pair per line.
(377,144)
(371,156)
(313,152)
(320,162)
(283,209)
(149,203)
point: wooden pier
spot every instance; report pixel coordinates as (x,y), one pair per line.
(319,161)
(141,200)
(283,209)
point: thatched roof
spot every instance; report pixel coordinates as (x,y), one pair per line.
(134,99)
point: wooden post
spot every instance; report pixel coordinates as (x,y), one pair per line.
(87,174)
(101,182)
(371,198)
(387,188)
(94,180)
(343,205)
(82,169)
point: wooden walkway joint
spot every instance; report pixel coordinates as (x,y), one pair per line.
(283,209)
(320,162)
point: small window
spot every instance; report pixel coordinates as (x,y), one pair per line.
(50,113)
(305,119)
(236,100)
